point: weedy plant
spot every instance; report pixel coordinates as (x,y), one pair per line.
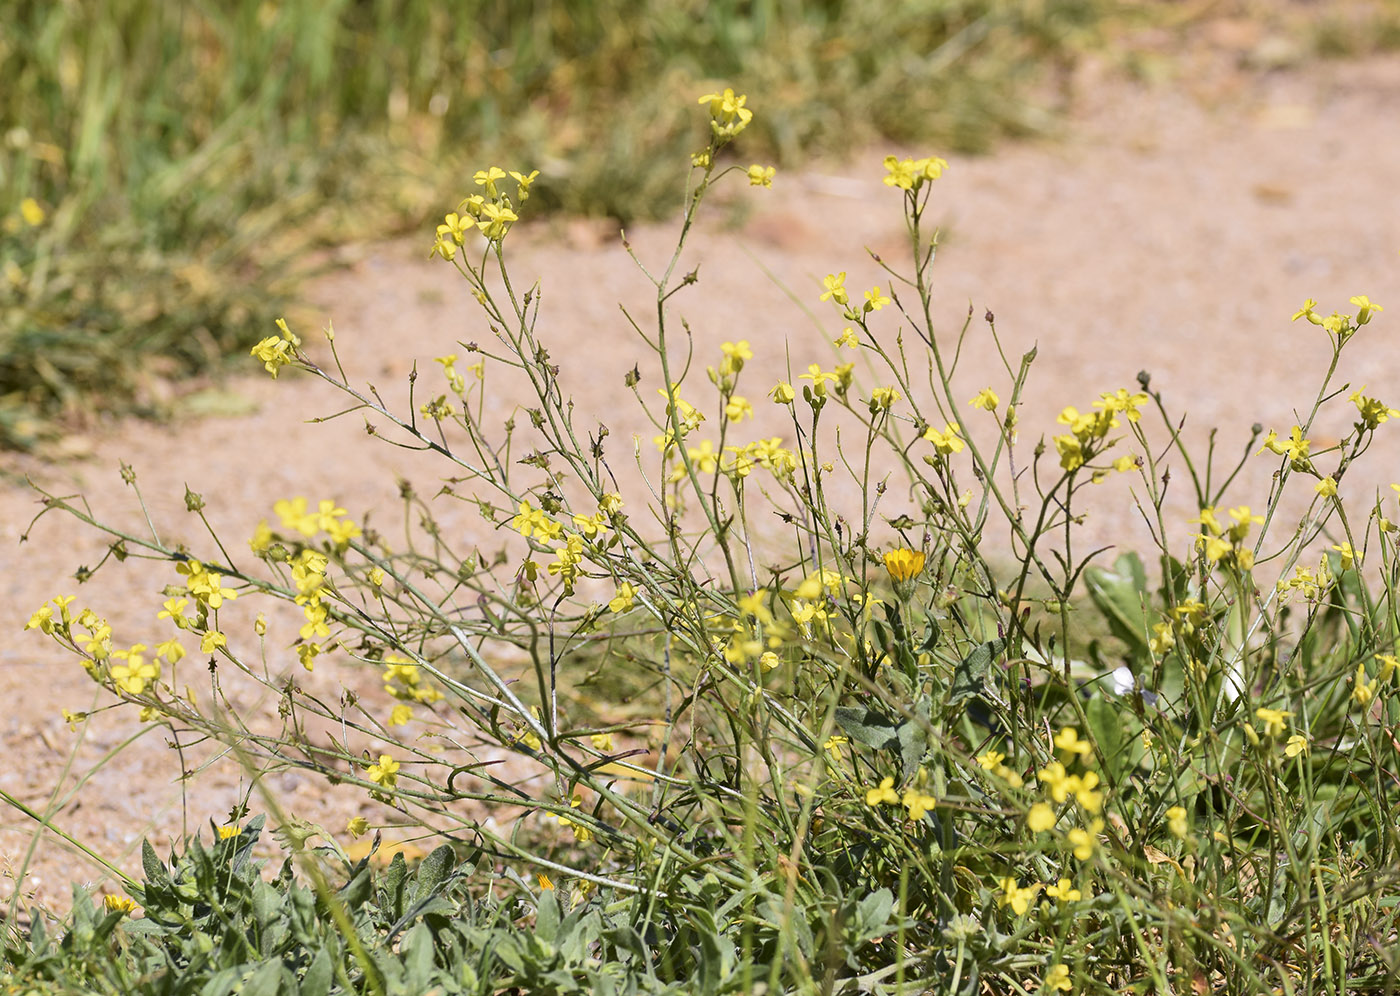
(868,761)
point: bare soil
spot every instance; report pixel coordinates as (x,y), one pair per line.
(1173,229)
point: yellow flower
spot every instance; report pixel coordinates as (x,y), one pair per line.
(307,653)
(1370,411)
(533,522)
(1057,979)
(1274,720)
(1064,891)
(212,641)
(728,115)
(1295,447)
(294,515)
(601,741)
(1084,794)
(1071,451)
(1041,817)
(735,356)
(986,399)
(132,676)
(884,793)
(947,441)
(1083,839)
(1306,311)
(42,619)
(847,338)
(205,586)
(274,353)
(1362,692)
(261,538)
(455,227)
(1068,740)
(918,803)
(119,904)
(835,289)
(341,532)
(910,174)
(544,881)
(1013,895)
(833,746)
(523,182)
(904,564)
(761,176)
(623,600)
(357,826)
(875,299)
(768,660)
(1349,556)
(226,832)
(1059,782)
(400,715)
(736,409)
(1297,744)
(1389,662)
(33,216)
(487,178)
(444,248)
(883,398)
(783,393)
(1176,822)
(496,220)
(582,832)
(1327,487)
(385,772)
(1366,308)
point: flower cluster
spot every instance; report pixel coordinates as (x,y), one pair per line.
(1226,544)
(911,174)
(1061,786)
(916,801)
(728,115)
(1295,447)
(1088,430)
(403,679)
(276,351)
(492,211)
(1340,326)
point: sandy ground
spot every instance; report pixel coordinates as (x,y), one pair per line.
(1174,229)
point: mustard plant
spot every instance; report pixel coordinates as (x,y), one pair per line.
(867,756)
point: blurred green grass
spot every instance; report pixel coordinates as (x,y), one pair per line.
(191,160)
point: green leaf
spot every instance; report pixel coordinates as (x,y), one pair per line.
(151,864)
(1120,595)
(547,916)
(873,913)
(317,979)
(1106,728)
(913,742)
(931,635)
(267,903)
(864,725)
(266,981)
(432,872)
(416,952)
(970,676)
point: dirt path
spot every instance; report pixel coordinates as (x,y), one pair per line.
(1167,232)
